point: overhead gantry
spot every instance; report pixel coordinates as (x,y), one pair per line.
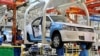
(44,6)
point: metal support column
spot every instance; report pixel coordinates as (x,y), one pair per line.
(14,23)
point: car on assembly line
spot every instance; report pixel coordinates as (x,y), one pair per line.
(59,31)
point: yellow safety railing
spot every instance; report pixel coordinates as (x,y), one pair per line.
(73,49)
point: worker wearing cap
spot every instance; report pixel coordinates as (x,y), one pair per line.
(84,51)
(19,41)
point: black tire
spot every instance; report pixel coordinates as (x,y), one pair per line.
(27,47)
(88,46)
(56,37)
(4,38)
(28,37)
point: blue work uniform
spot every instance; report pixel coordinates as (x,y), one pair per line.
(19,38)
(84,51)
(60,51)
(1,40)
(17,50)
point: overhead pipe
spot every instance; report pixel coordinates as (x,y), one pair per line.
(87,13)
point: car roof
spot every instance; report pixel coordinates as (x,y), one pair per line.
(71,24)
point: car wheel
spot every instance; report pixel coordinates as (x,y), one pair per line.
(88,45)
(56,41)
(27,46)
(28,37)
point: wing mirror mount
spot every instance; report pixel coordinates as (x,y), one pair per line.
(48,24)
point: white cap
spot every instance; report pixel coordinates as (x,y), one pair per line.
(19,28)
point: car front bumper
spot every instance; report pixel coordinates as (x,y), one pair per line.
(77,36)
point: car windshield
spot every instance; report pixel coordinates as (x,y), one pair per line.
(58,18)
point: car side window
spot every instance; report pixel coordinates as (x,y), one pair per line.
(48,21)
(36,28)
(36,22)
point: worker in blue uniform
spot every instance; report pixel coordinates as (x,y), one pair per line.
(1,40)
(2,37)
(84,51)
(19,41)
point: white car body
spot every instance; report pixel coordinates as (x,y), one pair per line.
(86,35)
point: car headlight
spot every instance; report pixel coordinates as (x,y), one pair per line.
(64,27)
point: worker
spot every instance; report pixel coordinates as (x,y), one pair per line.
(18,42)
(84,51)
(2,37)
(1,40)
(19,39)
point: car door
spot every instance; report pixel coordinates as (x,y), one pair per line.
(48,24)
(36,27)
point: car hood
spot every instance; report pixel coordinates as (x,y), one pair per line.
(62,23)
(72,24)
(65,23)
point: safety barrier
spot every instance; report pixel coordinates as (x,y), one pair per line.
(10,50)
(76,52)
(72,50)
